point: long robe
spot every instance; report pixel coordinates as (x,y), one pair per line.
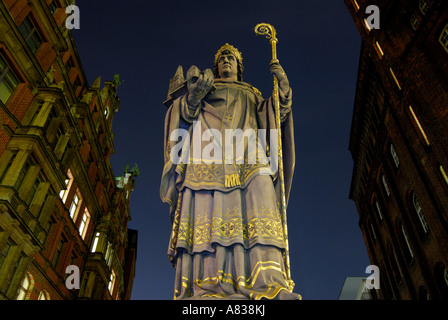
(227,239)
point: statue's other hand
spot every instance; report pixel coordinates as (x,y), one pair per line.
(277,70)
(199,84)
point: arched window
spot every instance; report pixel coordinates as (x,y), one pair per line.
(378,210)
(44,295)
(372,228)
(419,211)
(85,220)
(386,185)
(68,183)
(26,285)
(409,254)
(443,39)
(394,156)
(95,241)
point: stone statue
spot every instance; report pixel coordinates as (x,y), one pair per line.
(227,239)
(117,80)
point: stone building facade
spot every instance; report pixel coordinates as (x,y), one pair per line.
(399,144)
(63,213)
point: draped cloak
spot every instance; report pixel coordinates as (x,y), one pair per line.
(227,239)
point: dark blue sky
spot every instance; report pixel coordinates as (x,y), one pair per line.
(145,40)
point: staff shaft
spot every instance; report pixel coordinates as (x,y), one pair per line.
(270,33)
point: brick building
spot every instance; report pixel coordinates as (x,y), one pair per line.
(399,144)
(60,203)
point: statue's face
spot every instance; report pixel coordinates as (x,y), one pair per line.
(228,66)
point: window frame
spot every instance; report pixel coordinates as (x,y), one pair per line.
(68,183)
(8,76)
(84,225)
(394,155)
(59,249)
(415,22)
(75,204)
(423,6)
(385,185)
(31,33)
(418,210)
(417,122)
(53,6)
(378,209)
(23,290)
(112,280)
(8,165)
(409,255)
(95,241)
(44,295)
(443,38)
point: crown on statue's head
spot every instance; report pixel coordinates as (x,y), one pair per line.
(232,50)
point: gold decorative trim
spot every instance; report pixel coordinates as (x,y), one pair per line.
(265,227)
(232,49)
(241,281)
(232,180)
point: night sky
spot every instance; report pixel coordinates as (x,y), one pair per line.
(145,40)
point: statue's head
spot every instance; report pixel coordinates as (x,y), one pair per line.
(228,54)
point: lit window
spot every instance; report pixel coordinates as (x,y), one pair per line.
(445,177)
(379,50)
(62,192)
(419,126)
(74,205)
(24,287)
(394,156)
(95,241)
(30,33)
(367,25)
(378,210)
(84,223)
(111,281)
(386,185)
(44,295)
(443,39)
(8,80)
(68,182)
(419,211)
(395,78)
